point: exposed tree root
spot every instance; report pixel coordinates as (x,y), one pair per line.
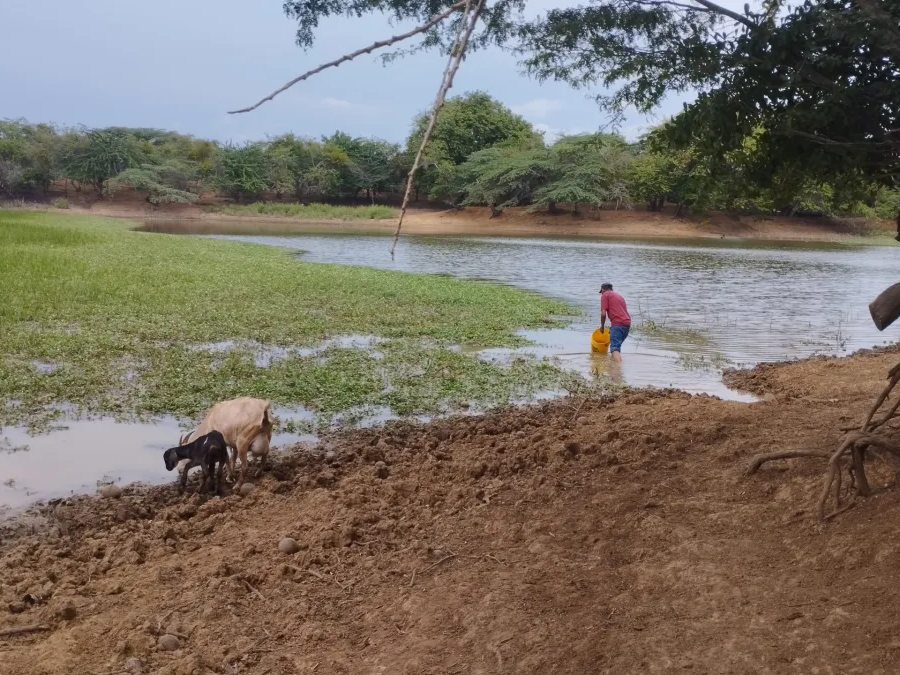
(851,453)
(759,460)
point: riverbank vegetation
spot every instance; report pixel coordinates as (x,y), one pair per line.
(794,105)
(306,211)
(481,153)
(100,319)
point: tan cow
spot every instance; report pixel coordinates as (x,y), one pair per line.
(246,423)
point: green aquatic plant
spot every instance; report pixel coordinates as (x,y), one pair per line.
(128,320)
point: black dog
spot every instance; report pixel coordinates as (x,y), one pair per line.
(205,452)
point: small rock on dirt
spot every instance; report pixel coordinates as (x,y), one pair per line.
(134,666)
(67,612)
(169,643)
(381,470)
(288,546)
(246,489)
(110,492)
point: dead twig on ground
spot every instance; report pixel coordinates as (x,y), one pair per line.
(22,630)
(431,567)
(253,590)
(839,511)
(320,577)
(578,409)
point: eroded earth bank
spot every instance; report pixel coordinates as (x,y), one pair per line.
(606,536)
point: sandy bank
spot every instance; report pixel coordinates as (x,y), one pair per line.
(517,222)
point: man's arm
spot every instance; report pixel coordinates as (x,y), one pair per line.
(602,313)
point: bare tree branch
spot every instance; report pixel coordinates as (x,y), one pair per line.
(470,19)
(824,140)
(718,9)
(436,19)
(670,3)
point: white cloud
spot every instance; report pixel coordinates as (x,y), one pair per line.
(537,107)
(337,103)
(634,131)
(342,104)
(552,134)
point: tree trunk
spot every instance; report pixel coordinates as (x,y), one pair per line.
(372,196)
(551,207)
(495,212)
(793,210)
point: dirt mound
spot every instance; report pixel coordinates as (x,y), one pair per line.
(573,537)
(804,378)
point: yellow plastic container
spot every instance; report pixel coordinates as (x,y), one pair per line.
(600,340)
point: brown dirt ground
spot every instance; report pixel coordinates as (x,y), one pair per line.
(610,536)
(514,222)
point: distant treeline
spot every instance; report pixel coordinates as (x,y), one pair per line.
(481,153)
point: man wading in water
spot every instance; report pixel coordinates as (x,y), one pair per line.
(613,304)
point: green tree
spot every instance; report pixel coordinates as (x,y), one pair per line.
(164,183)
(371,165)
(97,155)
(316,168)
(588,169)
(470,123)
(32,153)
(203,154)
(506,177)
(467,124)
(10,176)
(819,77)
(279,177)
(243,171)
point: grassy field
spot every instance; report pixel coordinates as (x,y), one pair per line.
(95,318)
(307,211)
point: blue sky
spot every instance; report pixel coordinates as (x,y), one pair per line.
(181,64)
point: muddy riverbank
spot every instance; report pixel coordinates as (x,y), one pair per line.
(605,536)
(519,222)
(698,305)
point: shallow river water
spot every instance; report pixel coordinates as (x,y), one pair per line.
(697,306)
